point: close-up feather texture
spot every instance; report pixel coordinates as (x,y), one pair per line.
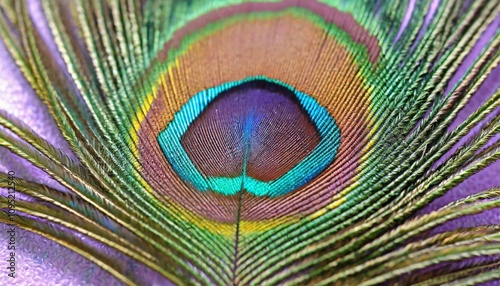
(250,142)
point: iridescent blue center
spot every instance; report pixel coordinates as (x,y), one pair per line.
(257,135)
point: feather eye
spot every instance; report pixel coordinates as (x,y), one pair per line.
(261,142)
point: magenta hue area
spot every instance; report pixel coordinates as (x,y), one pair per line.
(265,118)
(43,262)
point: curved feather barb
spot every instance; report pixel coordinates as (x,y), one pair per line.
(262,142)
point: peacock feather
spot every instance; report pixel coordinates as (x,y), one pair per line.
(253,142)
